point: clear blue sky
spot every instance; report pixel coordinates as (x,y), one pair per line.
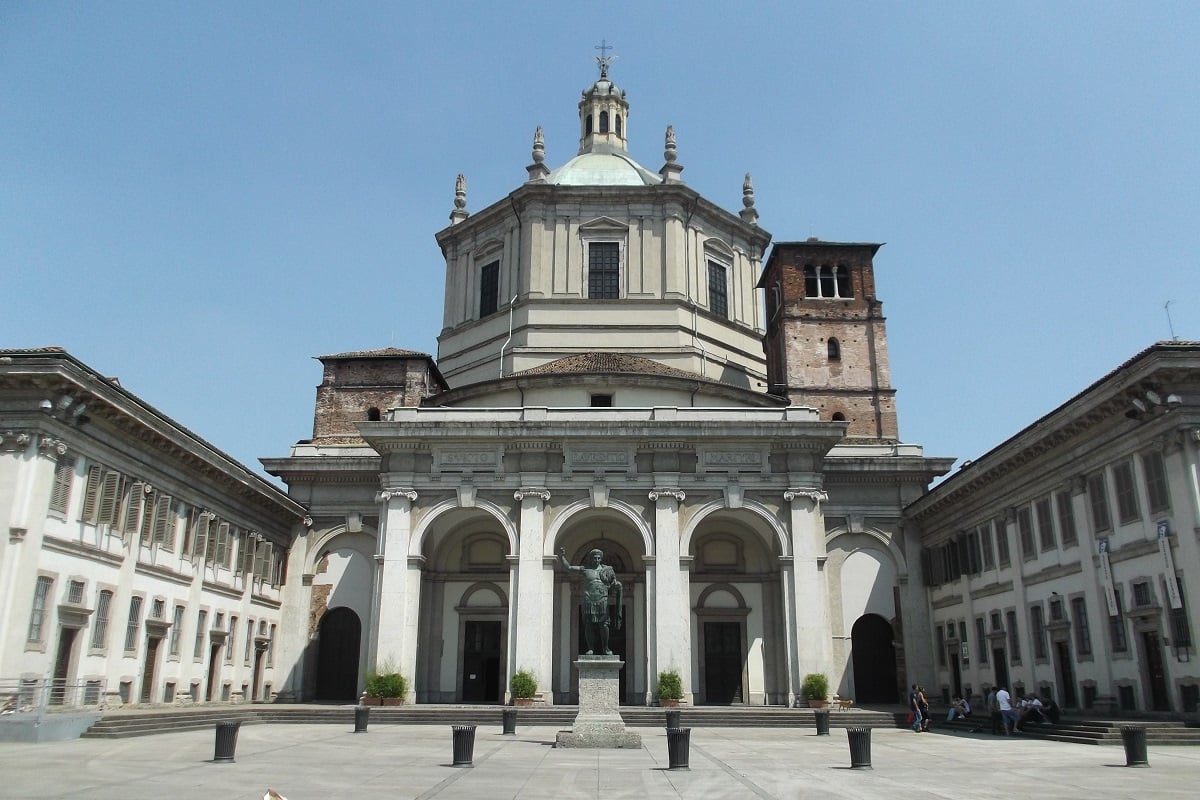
(198,197)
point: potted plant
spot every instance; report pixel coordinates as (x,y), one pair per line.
(386,688)
(816,690)
(523,687)
(670,688)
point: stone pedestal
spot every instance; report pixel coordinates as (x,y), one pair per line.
(599,722)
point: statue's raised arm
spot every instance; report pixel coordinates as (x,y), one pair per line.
(562,559)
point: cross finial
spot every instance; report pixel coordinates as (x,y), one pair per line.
(604,59)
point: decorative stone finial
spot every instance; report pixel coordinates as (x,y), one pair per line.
(749,213)
(460,212)
(538,169)
(670,170)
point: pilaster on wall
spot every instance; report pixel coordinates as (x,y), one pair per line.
(534,616)
(399,587)
(814,647)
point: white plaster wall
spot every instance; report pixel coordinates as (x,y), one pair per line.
(867,578)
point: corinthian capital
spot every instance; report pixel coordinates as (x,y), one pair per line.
(815,495)
(529,491)
(387,494)
(678,494)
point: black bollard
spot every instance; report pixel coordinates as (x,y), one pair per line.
(822,718)
(464,745)
(860,747)
(1134,739)
(226,741)
(678,747)
(672,716)
(362,714)
(510,721)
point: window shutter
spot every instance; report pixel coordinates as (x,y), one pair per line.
(200,537)
(132,507)
(221,551)
(110,496)
(164,521)
(60,495)
(91,494)
(150,502)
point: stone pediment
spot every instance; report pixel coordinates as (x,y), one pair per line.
(603,225)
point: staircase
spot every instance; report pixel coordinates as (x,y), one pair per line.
(1088,731)
(121,724)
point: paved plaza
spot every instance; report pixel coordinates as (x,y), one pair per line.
(329,762)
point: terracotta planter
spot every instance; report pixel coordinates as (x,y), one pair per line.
(392,701)
(372,701)
(523,701)
(667,703)
(818,703)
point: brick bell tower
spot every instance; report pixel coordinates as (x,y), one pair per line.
(826,342)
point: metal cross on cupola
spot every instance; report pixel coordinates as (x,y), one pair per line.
(604,59)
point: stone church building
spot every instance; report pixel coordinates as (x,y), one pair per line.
(624,365)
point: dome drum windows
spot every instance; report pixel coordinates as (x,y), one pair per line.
(827,282)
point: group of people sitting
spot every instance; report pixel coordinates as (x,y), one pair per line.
(1013,714)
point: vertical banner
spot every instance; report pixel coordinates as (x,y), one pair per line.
(1110,596)
(1164,549)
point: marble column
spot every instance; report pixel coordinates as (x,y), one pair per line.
(396,629)
(671,610)
(534,588)
(814,648)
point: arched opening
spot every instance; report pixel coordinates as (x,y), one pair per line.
(834,348)
(618,116)
(838,417)
(844,288)
(372,414)
(874,658)
(337,655)
(604,122)
(587,125)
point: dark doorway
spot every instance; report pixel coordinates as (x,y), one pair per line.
(1001,662)
(483,647)
(149,667)
(214,670)
(955,675)
(1156,673)
(337,655)
(616,641)
(874,659)
(722,663)
(1064,670)
(62,665)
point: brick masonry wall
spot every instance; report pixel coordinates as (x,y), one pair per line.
(351,387)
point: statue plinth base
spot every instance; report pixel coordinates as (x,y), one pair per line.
(599,723)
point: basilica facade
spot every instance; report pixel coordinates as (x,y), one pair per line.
(624,365)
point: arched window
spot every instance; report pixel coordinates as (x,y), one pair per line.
(587,125)
(844,289)
(618,117)
(373,414)
(828,289)
(835,349)
(811,289)
(604,122)
(839,417)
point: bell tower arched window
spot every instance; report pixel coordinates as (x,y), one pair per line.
(604,122)
(834,348)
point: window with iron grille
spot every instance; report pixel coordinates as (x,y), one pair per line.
(100,622)
(1025,529)
(75,592)
(37,615)
(1083,632)
(489,289)
(60,494)
(1155,474)
(249,639)
(1098,498)
(604,270)
(1066,519)
(1181,630)
(718,289)
(1116,627)
(981,645)
(1037,630)
(176,631)
(1014,641)
(1127,501)
(1141,594)
(996,621)
(229,640)
(158,608)
(135,623)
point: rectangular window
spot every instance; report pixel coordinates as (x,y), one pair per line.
(1025,529)
(1098,498)
(1037,629)
(100,623)
(1045,521)
(271,648)
(1116,627)
(1141,595)
(249,639)
(1066,519)
(176,631)
(1056,610)
(489,289)
(1002,544)
(134,625)
(1181,630)
(1083,633)
(198,650)
(601,401)
(60,494)
(37,615)
(1155,473)
(718,289)
(75,592)
(229,640)
(1127,500)
(981,645)
(1014,641)
(941,646)
(604,270)
(989,553)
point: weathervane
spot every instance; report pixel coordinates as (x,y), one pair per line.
(604,59)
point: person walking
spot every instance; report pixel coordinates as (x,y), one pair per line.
(914,707)
(1004,701)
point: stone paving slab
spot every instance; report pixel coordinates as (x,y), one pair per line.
(329,762)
